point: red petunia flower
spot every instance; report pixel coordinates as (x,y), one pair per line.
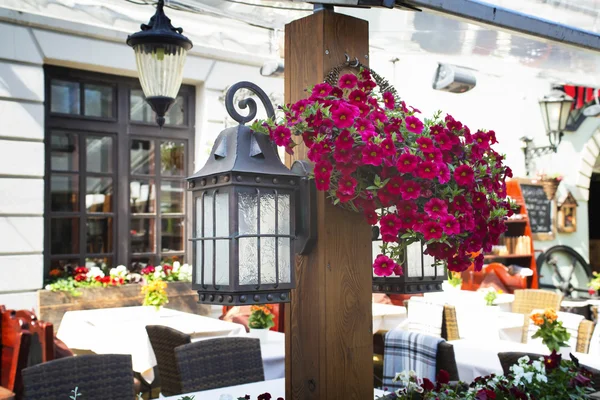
(344,116)
(407,163)
(425,144)
(427,170)
(348,81)
(413,124)
(443,174)
(389,101)
(371,217)
(282,135)
(479,200)
(372,154)
(388,148)
(322,181)
(347,185)
(451,225)
(443,141)
(410,190)
(321,90)
(432,230)
(342,155)
(363,124)
(383,266)
(464,175)
(357,96)
(436,208)
(394,185)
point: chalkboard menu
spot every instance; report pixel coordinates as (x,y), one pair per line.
(539,208)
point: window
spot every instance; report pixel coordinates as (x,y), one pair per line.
(115,182)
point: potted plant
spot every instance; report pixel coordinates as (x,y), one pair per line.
(428,180)
(260,321)
(490,296)
(454,281)
(155,293)
(594,284)
(550,183)
(551,331)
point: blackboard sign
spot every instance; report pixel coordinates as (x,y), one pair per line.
(539,208)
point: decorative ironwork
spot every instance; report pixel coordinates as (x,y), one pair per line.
(333,76)
(534,152)
(247,102)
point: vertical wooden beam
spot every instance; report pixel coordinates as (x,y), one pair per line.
(329,341)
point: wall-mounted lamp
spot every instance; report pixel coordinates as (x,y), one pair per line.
(555,108)
(251,214)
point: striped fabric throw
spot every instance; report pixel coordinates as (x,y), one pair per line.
(409,351)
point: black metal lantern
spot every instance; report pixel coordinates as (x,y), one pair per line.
(555,108)
(160,51)
(421,273)
(248,222)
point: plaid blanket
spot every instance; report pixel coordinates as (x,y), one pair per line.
(409,351)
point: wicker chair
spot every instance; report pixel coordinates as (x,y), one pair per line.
(97,377)
(510,358)
(164,340)
(450,324)
(528,300)
(214,363)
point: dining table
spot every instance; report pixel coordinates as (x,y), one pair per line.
(123,331)
(275,387)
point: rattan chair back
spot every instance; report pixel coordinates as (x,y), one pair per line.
(527,300)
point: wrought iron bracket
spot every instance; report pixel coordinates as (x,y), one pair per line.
(247,102)
(306,209)
(534,152)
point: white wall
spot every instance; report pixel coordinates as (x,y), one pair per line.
(21,167)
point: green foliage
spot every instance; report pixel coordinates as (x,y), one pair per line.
(261,317)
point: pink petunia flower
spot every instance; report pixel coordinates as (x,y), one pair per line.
(321,90)
(404,206)
(344,116)
(282,135)
(410,190)
(432,230)
(342,155)
(434,156)
(479,200)
(450,225)
(344,140)
(368,136)
(347,185)
(436,208)
(357,96)
(436,130)
(367,85)
(413,124)
(427,170)
(383,266)
(323,167)
(348,81)
(425,144)
(322,181)
(371,217)
(389,101)
(378,117)
(464,175)
(372,154)
(407,163)
(363,124)
(443,174)
(394,185)
(337,92)
(388,148)
(443,141)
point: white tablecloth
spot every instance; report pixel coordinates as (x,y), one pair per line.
(480,357)
(123,331)
(275,387)
(387,316)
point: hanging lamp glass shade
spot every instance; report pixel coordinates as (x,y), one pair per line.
(160,52)
(555,108)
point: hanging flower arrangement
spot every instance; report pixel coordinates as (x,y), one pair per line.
(429,180)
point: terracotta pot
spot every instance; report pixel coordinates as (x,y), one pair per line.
(550,187)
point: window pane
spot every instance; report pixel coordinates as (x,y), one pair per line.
(143,234)
(64,193)
(61,266)
(98,100)
(64,97)
(64,236)
(64,152)
(140,110)
(99,194)
(142,157)
(101,262)
(99,153)
(142,196)
(171,197)
(99,235)
(172,234)
(139,263)
(172,159)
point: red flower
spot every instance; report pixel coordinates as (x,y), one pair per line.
(479,200)
(321,90)
(406,206)
(363,124)
(443,174)
(443,377)
(410,190)
(443,141)
(167,269)
(552,361)
(106,280)
(394,185)
(432,231)
(357,96)
(348,81)
(343,197)
(80,277)
(478,263)
(591,291)
(371,216)
(372,154)
(413,124)
(427,385)
(427,170)
(436,130)
(367,85)
(322,181)
(265,396)
(81,270)
(458,263)
(342,155)
(388,148)
(383,266)
(464,175)
(407,163)
(436,208)
(450,224)
(344,140)
(425,144)
(378,117)
(347,185)
(389,101)
(282,135)
(148,270)
(344,116)
(485,394)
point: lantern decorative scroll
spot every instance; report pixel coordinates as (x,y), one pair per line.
(160,52)
(251,215)
(421,272)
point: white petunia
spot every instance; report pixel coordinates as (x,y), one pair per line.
(541,378)
(95,272)
(176,266)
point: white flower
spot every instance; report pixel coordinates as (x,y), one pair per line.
(517,370)
(528,376)
(157,274)
(523,360)
(539,366)
(48,287)
(176,266)
(541,378)
(95,272)
(185,273)
(120,271)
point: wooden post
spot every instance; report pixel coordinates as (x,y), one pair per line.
(329,340)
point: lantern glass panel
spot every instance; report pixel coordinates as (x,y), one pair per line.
(429,268)
(284,228)
(248,247)
(565,109)
(216,224)
(160,68)
(413,260)
(551,114)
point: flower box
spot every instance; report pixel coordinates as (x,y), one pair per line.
(53,305)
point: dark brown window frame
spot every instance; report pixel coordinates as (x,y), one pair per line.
(123,130)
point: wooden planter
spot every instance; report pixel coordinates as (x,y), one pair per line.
(53,305)
(550,187)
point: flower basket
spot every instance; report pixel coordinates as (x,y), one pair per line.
(550,186)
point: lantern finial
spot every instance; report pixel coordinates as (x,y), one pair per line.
(248,102)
